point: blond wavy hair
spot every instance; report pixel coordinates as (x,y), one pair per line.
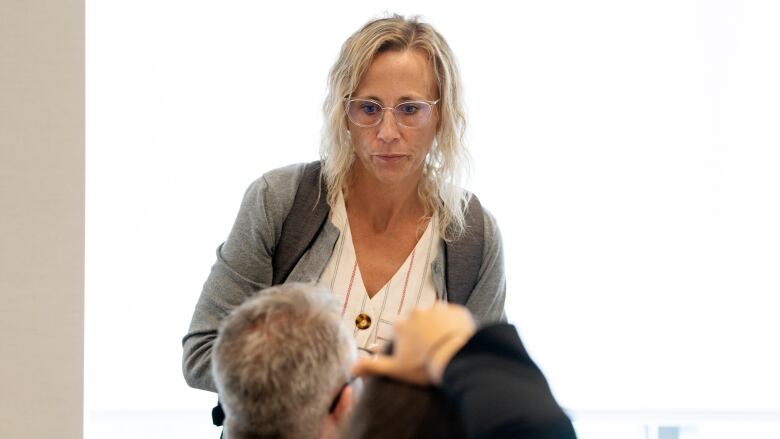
(448,161)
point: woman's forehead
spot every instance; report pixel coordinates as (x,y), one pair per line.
(398,75)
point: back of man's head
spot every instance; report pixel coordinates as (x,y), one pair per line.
(277,361)
(391,409)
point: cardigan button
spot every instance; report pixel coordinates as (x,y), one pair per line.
(363,321)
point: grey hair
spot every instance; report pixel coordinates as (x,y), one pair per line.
(448,161)
(277,361)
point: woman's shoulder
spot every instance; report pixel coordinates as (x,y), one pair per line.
(281,182)
(281,178)
(489,221)
(491,225)
(274,191)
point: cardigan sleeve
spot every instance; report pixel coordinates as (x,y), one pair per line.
(486,301)
(243,267)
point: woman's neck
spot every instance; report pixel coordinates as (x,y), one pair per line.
(382,205)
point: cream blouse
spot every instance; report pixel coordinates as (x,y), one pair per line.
(372,319)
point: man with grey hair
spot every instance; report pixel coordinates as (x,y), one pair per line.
(281,365)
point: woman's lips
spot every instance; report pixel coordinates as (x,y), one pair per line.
(390,158)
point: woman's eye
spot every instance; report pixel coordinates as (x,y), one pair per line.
(369,108)
(409,108)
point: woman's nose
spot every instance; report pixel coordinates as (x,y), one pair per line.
(388,127)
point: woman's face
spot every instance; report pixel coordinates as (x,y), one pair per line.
(390,153)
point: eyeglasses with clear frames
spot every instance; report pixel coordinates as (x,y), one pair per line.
(369,113)
(352,380)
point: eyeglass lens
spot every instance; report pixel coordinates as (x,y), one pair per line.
(369,113)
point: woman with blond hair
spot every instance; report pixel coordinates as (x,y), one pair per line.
(381,219)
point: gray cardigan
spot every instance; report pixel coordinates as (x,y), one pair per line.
(243,267)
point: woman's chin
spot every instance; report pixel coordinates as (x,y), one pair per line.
(390,160)
(389,171)
(394,176)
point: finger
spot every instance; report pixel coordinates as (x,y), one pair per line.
(400,326)
(378,365)
(389,367)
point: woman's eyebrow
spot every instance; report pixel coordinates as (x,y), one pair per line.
(404,98)
(371,97)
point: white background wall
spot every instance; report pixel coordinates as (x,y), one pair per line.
(628,149)
(41,218)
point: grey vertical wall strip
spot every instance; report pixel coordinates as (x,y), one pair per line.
(41,218)
(668,432)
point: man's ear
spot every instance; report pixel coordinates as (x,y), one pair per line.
(344,406)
